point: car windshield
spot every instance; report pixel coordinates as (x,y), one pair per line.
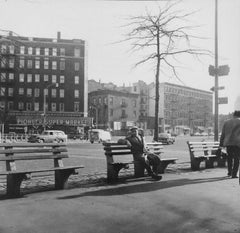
(163,135)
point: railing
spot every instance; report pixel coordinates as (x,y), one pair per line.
(13,138)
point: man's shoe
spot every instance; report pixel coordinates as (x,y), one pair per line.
(156,177)
(233,177)
(229,174)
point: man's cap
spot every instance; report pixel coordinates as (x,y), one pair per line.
(134,128)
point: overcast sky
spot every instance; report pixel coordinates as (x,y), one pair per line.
(100,24)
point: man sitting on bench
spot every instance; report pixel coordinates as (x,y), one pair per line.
(137,144)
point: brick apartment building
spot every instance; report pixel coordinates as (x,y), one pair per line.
(34,71)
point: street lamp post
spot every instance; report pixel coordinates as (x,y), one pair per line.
(44,103)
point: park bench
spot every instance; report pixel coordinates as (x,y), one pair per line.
(113,149)
(20,165)
(205,151)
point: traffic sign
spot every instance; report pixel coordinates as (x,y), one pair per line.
(220,71)
(219,88)
(222,100)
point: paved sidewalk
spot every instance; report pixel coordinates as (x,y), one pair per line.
(202,201)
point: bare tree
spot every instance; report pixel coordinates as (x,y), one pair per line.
(165,36)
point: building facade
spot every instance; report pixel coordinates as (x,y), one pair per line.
(112,109)
(43,81)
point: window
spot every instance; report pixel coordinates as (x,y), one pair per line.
(3,48)
(37,51)
(94,101)
(2,91)
(100,100)
(21,62)
(54,93)
(2,104)
(11,49)
(29,64)
(30,50)
(46,51)
(46,92)
(62,78)
(22,49)
(76,93)
(54,107)
(105,100)
(10,91)
(45,78)
(111,100)
(36,106)
(29,92)
(62,51)
(29,78)
(11,62)
(20,105)
(76,79)
(11,76)
(76,52)
(46,64)
(54,65)
(28,106)
(3,62)
(76,66)
(54,51)
(21,91)
(54,78)
(61,93)
(21,78)
(61,107)
(3,77)
(10,105)
(76,106)
(62,65)
(37,78)
(37,63)
(36,92)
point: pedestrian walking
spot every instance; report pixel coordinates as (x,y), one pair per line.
(230,138)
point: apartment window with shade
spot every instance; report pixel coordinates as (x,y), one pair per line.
(37,78)
(54,107)
(10,91)
(76,93)
(28,106)
(29,78)
(61,93)
(30,50)
(11,76)
(62,51)
(21,78)
(54,93)
(21,91)
(62,79)
(37,64)
(54,65)
(76,79)
(76,106)
(61,107)
(3,62)
(76,66)
(62,64)
(3,48)
(29,92)
(37,51)
(46,64)
(10,105)
(36,106)
(76,52)
(45,78)
(21,62)
(54,51)
(11,49)
(11,63)
(3,90)
(22,49)
(46,51)
(29,64)
(36,92)
(54,78)
(20,105)
(3,77)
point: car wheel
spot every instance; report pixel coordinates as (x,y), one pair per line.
(92,142)
(40,140)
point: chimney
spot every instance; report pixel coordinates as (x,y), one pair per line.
(58,35)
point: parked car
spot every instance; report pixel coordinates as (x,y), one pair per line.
(99,135)
(166,138)
(49,136)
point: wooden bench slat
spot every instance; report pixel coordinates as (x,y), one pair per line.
(32,145)
(33,157)
(108,153)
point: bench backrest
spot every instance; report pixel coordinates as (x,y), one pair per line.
(205,147)
(11,152)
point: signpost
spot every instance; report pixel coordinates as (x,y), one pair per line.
(219,88)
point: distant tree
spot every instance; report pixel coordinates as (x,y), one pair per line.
(165,36)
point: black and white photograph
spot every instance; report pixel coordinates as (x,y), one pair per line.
(119,116)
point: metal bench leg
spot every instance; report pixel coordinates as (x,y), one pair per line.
(195,164)
(138,169)
(113,171)
(162,166)
(14,183)
(221,162)
(209,163)
(61,178)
